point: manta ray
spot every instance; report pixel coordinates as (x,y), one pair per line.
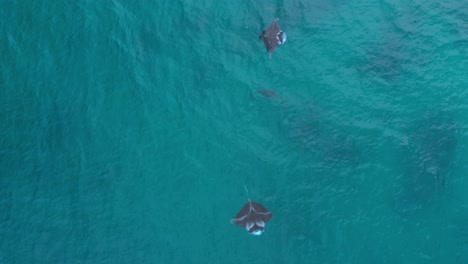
(253,217)
(272,37)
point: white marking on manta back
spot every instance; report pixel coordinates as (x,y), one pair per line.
(263,213)
(282,39)
(249,225)
(239,219)
(257,232)
(251,208)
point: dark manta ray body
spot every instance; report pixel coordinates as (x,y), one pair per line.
(253,216)
(272,37)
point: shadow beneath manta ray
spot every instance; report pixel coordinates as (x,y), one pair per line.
(308,128)
(384,61)
(428,161)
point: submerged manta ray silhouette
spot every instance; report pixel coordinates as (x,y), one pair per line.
(272,37)
(253,217)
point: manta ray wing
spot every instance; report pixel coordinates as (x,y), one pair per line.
(261,213)
(242,218)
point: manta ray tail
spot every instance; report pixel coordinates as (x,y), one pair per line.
(247,191)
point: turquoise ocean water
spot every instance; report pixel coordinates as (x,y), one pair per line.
(128,128)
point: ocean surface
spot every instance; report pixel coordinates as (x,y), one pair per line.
(129,128)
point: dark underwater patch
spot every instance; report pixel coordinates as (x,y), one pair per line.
(383,62)
(427,161)
(314,133)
